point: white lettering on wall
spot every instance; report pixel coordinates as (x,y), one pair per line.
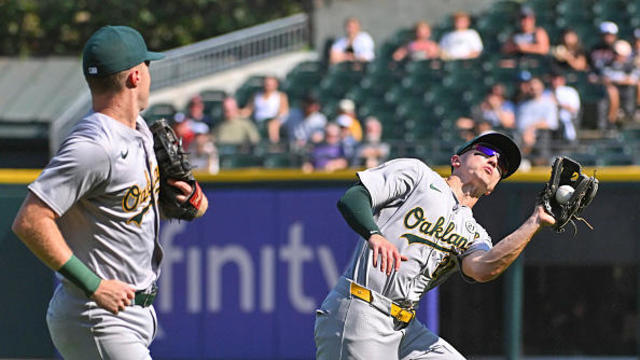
(216,258)
(267,279)
(194,280)
(172,254)
(296,253)
(211,261)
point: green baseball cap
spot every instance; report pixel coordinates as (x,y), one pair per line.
(112,49)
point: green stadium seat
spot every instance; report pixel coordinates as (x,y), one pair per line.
(614,159)
(541,6)
(278,161)
(237,161)
(212,100)
(251,86)
(425,69)
(160,111)
(631,136)
(309,66)
(411,107)
(586,159)
(378,83)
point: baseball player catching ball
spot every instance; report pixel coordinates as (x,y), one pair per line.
(93,213)
(417,229)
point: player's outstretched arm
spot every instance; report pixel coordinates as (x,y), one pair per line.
(36,226)
(484,266)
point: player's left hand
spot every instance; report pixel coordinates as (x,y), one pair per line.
(389,254)
(184,188)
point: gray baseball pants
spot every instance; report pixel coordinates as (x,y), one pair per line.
(350,328)
(80,329)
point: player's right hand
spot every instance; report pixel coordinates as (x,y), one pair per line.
(389,255)
(113,295)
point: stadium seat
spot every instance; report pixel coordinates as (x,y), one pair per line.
(586,159)
(282,160)
(378,83)
(614,159)
(410,108)
(212,100)
(252,85)
(160,111)
(425,69)
(631,136)
(236,161)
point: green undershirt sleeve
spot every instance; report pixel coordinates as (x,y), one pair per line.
(355,207)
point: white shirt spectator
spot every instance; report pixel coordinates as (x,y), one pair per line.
(568,98)
(535,111)
(266,108)
(363,46)
(460,44)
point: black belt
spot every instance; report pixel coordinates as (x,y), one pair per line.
(145,297)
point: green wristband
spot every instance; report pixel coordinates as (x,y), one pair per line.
(79,274)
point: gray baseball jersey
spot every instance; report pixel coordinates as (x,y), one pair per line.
(101,183)
(415,210)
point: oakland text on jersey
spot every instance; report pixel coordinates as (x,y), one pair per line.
(133,197)
(415,218)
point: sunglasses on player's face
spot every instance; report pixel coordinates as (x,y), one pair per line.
(489,152)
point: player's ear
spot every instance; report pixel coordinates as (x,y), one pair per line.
(455,161)
(133,78)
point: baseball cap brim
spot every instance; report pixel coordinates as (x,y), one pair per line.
(500,142)
(153,55)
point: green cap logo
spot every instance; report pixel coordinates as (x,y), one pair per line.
(112,49)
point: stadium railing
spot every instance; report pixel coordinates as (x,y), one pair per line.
(205,58)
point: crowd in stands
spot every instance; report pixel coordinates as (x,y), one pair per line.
(452,83)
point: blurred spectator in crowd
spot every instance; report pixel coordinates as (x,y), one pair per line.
(347,140)
(203,154)
(635,54)
(421,47)
(636,49)
(306,123)
(494,112)
(523,90)
(462,42)
(569,54)
(356,46)
(530,39)
(328,155)
(568,101)
(372,151)
(602,54)
(186,128)
(621,80)
(347,116)
(269,108)
(235,129)
(538,112)
(195,111)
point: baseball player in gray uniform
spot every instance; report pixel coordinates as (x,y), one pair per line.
(92,214)
(417,229)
